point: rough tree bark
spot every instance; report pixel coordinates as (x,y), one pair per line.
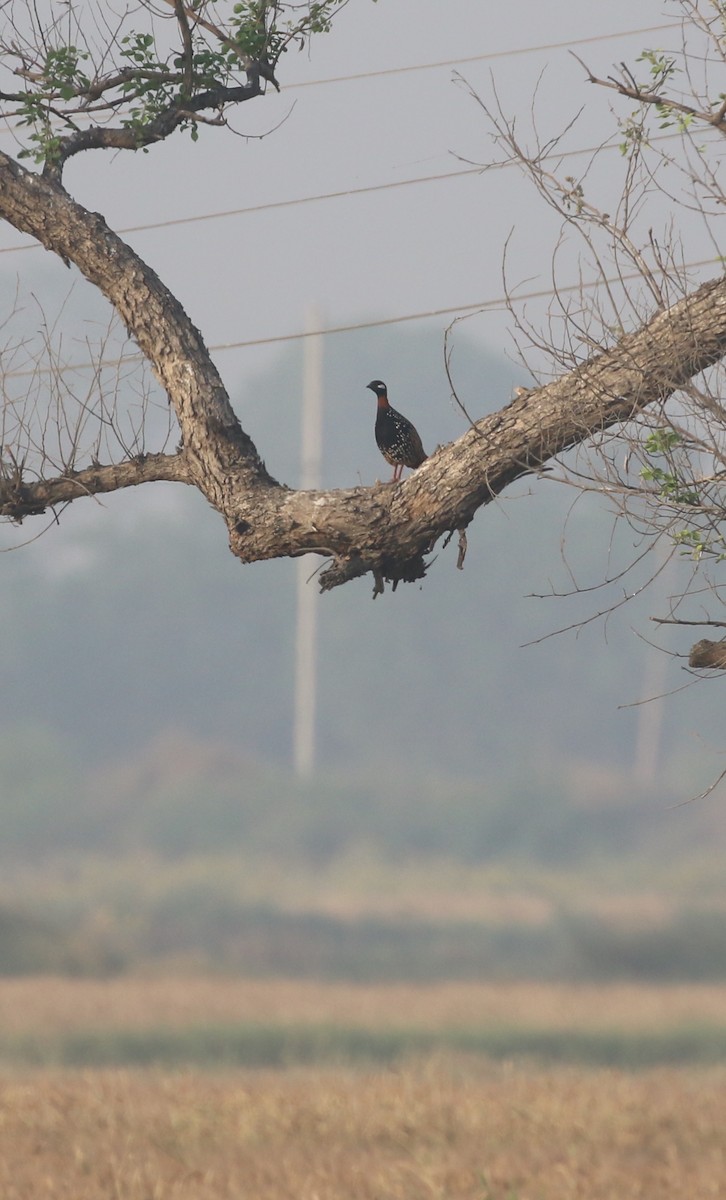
(386,530)
(708,654)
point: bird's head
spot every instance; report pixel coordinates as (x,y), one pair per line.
(378,386)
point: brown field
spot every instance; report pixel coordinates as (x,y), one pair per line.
(444,1127)
(51,1005)
(432,1132)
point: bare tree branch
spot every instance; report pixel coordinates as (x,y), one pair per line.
(628,87)
(19,499)
(681,621)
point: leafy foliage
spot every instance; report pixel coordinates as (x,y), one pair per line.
(674,488)
(142,82)
(671,487)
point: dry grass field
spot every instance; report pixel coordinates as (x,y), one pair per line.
(52,1005)
(436,1131)
(440,1126)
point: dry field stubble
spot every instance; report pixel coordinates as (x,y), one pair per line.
(53,1005)
(436,1129)
(428,1132)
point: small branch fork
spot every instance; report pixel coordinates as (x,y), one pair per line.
(259,67)
(628,87)
(187,108)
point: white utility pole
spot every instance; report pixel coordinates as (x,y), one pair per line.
(649,732)
(306,632)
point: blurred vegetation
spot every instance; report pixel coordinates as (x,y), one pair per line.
(195,856)
(283,1046)
(184,796)
(202,930)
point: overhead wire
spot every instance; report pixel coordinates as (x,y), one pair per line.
(492,304)
(498,302)
(479,306)
(488,56)
(441,176)
(402,183)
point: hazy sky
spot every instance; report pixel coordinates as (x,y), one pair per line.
(383,254)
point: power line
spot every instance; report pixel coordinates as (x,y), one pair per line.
(481,306)
(501,302)
(488,57)
(224,214)
(418,180)
(272,204)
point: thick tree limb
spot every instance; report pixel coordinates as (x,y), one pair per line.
(216,449)
(387,530)
(379,528)
(19,499)
(708,654)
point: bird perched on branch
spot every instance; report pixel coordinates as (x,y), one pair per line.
(397,439)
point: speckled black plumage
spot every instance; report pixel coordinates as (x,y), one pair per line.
(397,439)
